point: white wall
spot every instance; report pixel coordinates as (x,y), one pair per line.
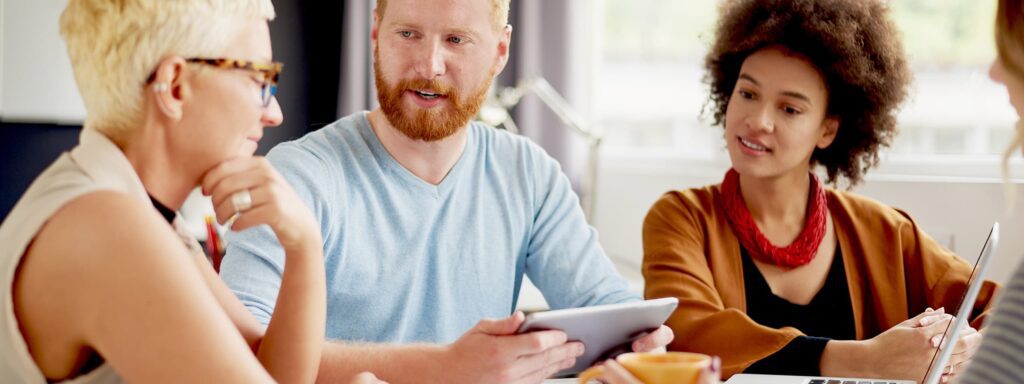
(36,83)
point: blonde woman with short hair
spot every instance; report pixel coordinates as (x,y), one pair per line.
(99,282)
(1000,359)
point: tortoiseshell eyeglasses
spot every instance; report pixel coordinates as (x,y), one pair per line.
(270,71)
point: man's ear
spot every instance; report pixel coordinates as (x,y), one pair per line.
(169,88)
(374,31)
(504,41)
(830,128)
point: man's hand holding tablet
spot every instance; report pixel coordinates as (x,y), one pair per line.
(606,330)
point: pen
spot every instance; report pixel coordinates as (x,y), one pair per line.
(213,244)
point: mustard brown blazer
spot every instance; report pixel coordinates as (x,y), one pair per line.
(893,269)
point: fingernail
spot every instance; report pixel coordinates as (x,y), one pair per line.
(568,363)
(935,340)
(580,350)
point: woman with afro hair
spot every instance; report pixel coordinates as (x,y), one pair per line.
(775,272)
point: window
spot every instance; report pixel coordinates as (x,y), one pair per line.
(648,88)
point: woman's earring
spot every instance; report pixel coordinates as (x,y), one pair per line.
(161,102)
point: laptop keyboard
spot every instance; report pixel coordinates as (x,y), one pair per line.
(834,381)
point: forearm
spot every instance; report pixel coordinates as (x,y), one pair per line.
(291,348)
(840,358)
(422,363)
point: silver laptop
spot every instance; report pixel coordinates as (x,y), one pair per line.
(941,356)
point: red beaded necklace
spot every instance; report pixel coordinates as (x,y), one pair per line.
(801,251)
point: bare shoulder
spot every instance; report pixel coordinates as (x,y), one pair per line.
(99,230)
(108,273)
(93,246)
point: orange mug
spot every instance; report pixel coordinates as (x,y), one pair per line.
(657,368)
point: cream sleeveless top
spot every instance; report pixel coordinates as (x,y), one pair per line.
(95,164)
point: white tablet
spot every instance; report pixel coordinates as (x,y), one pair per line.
(603,329)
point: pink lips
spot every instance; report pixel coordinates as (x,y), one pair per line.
(424,102)
(743,144)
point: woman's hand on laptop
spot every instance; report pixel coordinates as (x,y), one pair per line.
(966,346)
(901,352)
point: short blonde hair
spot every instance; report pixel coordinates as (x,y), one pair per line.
(499,11)
(114,46)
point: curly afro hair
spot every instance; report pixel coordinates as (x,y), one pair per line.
(853,44)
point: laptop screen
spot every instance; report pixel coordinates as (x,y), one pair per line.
(963,312)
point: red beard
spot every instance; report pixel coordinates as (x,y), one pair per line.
(427,124)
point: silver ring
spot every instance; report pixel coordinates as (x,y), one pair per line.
(241,201)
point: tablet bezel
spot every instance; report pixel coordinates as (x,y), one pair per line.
(602,328)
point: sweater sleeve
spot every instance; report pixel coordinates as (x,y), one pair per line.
(253,266)
(802,357)
(564,258)
(944,276)
(676,264)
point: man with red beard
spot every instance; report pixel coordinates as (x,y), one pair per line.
(430,221)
